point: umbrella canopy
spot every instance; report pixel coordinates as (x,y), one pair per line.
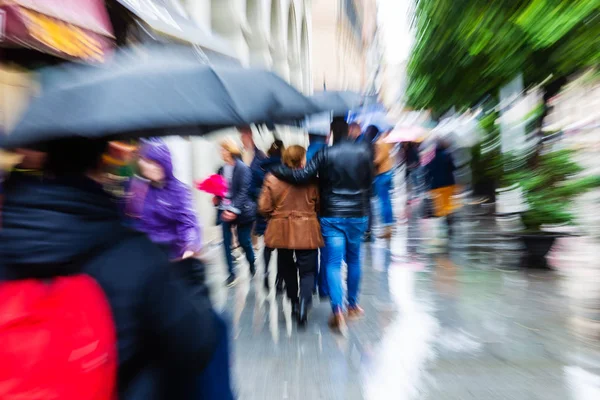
(339,103)
(374,114)
(407,134)
(318,124)
(153,95)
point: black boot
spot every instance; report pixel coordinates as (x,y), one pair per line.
(279,286)
(295,309)
(303,313)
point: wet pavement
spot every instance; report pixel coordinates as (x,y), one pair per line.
(464,325)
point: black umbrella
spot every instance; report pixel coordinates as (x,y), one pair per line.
(155,94)
(339,103)
(318,124)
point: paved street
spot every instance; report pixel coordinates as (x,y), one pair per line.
(436,327)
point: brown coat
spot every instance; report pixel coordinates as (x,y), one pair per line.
(383,160)
(292,215)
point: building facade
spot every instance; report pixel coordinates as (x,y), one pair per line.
(343,36)
(269,34)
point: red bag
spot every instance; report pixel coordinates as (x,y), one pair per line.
(57,340)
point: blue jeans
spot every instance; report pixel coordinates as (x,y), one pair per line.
(244,232)
(383,189)
(343,239)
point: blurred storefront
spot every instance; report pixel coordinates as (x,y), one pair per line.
(344,54)
(35,33)
(273,35)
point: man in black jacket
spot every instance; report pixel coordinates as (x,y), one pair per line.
(345,173)
(65,223)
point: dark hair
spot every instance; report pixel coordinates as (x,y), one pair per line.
(73,156)
(371,133)
(339,129)
(276,149)
(314,138)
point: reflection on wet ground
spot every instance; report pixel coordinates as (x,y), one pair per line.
(436,327)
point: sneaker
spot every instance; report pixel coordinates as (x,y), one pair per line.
(355,313)
(387,233)
(337,323)
(231,280)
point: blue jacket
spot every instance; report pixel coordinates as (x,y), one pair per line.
(312,150)
(240,193)
(440,171)
(258,175)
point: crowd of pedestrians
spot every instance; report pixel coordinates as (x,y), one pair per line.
(310,206)
(313,208)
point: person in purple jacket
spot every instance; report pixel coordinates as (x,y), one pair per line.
(161,205)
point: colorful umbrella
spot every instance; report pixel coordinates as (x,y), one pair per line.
(407,134)
(214,184)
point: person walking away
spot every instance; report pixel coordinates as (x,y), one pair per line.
(253,157)
(318,142)
(345,171)
(413,166)
(368,138)
(274,158)
(237,210)
(61,232)
(442,184)
(294,230)
(383,184)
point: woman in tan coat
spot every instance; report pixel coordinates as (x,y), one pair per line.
(293,228)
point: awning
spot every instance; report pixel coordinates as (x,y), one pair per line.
(70,29)
(169,18)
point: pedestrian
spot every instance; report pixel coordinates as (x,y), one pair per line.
(345,172)
(166,214)
(368,138)
(63,226)
(413,166)
(161,205)
(294,230)
(442,184)
(237,209)
(383,183)
(274,158)
(253,157)
(317,142)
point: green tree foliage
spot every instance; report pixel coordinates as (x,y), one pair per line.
(486,159)
(467,48)
(549,186)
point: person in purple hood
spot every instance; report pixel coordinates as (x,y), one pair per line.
(162,209)
(162,205)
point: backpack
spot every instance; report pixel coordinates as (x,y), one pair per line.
(58,340)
